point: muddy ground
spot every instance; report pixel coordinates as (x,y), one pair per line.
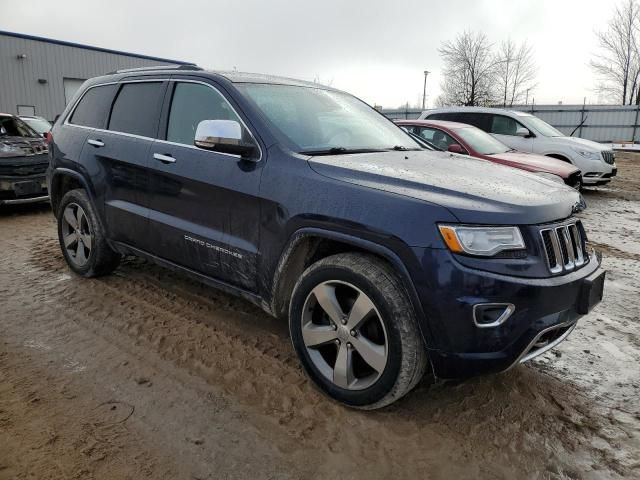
(145,374)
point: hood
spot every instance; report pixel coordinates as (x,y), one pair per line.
(473,190)
(580,143)
(536,163)
(28,145)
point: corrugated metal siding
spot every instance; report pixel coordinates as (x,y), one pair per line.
(19,78)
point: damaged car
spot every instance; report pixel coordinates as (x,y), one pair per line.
(23,162)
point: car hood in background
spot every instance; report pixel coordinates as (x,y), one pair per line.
(536,163)
(475,191)
(580,143)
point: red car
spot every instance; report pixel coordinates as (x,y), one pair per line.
(468,140)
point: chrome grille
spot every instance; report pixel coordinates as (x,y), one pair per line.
(565,247)
(608,156)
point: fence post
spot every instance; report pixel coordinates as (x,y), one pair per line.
(582,116)
(635,124)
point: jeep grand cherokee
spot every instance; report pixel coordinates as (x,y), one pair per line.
(388,259)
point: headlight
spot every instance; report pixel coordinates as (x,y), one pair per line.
(9,150)
(588,154)
(482,241)
(550,176)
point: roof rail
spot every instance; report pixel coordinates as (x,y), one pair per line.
(188,66)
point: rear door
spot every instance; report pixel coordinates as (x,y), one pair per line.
(121,153)
(504,129)
(204,210)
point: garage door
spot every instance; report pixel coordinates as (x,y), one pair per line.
(71,86)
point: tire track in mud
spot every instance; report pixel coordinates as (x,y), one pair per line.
(260,371)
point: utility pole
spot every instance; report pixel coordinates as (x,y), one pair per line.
(526,102)
(424,89)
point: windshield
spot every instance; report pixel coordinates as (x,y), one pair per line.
(40,125)
(481,142)
(541,126)
(14,127)
(318,121)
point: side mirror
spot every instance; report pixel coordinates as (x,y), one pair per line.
(224,136)
(455,148)
(523,132)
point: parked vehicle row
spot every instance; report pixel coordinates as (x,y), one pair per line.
(468,140)
(389,260)
(23,162)
(527,133)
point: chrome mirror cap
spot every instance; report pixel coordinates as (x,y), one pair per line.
(214,132)
(224,136)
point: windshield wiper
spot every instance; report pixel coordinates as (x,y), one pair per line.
(402,148)
(339,151)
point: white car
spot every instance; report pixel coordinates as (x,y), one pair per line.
(527,133)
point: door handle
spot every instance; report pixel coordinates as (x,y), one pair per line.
(164,158)
(96,143)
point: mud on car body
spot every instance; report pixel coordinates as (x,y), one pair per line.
(23,162)
(389,260)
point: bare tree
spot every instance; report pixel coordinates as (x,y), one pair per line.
(468,71)
(618,61)
(515,71)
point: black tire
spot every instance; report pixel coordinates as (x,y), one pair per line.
(101,259)
(406,357)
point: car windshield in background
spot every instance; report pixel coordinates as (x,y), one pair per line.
(319,121)
(542,127)
(14,127)
(40,125)
(481,142)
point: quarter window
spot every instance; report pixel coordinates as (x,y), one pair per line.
(137,109)
(93,108)
(191,104)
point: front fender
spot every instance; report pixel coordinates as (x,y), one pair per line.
(399,265)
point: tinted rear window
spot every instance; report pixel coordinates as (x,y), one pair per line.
(137,109)
(93,109)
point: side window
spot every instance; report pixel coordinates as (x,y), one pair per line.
(449,116)
(191,104)
(437,137)
(93,109)
(137,109)
(479,120)
(502,125)
(409,128)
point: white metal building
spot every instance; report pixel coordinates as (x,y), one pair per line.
(38,76)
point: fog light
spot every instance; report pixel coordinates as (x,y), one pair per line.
(488,315)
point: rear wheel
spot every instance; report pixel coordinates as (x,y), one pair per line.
(81,237)
(355,331)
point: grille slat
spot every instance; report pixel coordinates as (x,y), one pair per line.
(564,247)
(609,157)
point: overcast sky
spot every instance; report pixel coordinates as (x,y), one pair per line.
(374,49)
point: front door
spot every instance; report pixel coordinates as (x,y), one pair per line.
(204,210)
(504,129)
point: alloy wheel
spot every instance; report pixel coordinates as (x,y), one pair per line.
(76,234)
(344,335)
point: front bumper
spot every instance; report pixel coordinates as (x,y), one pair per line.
(23,179)
(600,177)
(546,311)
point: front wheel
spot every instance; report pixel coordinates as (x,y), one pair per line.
(355,331)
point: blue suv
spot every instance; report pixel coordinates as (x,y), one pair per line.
(388,259)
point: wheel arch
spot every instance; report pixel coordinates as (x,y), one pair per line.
(559,156)
(64,180)
(308,245)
